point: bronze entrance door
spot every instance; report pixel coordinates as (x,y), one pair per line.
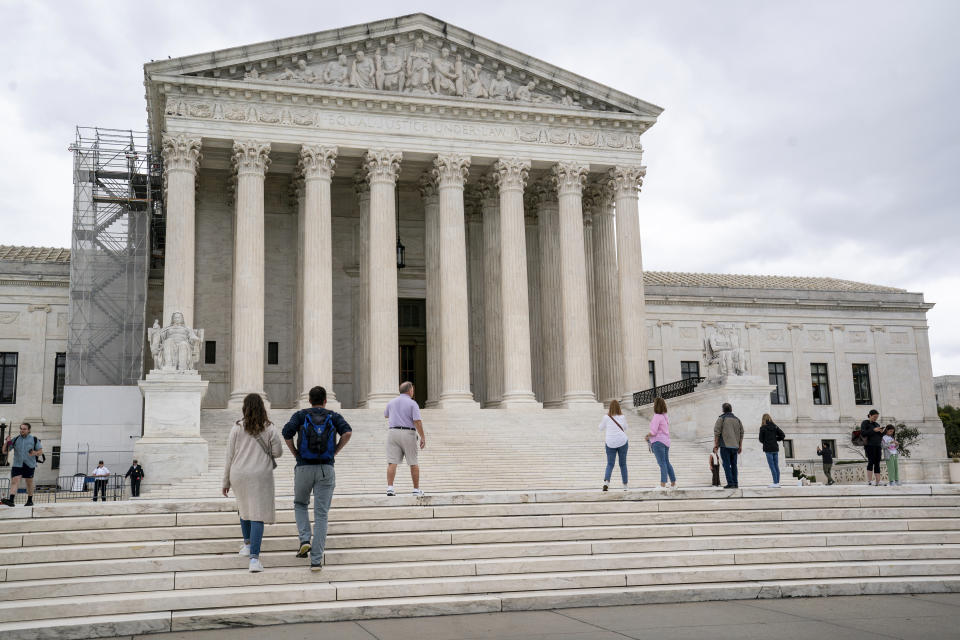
(412,314)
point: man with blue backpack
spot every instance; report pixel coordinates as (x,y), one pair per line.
(316,430)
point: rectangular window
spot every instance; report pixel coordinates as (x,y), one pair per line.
(788,448)
(8,377)
(821,386)
(210,352)
(59,377)
(55,457)
(652,367)
(829,444)
(273,353)
(408,363)
(689,369)
(861,384)
(777,374)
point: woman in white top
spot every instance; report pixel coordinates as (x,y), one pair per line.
(615,442)
(101,477)
(253,445)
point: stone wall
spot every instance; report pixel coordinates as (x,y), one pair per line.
(947,390)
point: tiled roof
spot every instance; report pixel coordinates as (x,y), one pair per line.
(734,281)
(34,254)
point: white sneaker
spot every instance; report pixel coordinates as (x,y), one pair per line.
(775,485)
(245,550)
(255,566)
(626,487)
(418,493)
(660,488)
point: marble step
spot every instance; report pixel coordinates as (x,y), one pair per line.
(196,576)
(313,592)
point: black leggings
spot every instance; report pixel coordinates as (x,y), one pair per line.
(874,453)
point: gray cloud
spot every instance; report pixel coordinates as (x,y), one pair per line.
(799,138)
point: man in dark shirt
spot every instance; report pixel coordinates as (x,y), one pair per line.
(135,473)
(873,432)
(827,455)
(314,473)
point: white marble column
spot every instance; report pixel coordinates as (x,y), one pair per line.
(250,160)
(921,337)
(431,249)
(801,396)
(551,294)
(475,290)
(316,281)
(296,194)
(451,171)
(846,398)
(607,295)
(877,337)
(625,182)
(575,305)
(591,294)
(533,295)
(492,326)
(383,167)
(510,175)
(181,159)
(362,326)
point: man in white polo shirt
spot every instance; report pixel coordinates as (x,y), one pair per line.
(404,425)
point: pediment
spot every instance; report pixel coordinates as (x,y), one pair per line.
(412,56)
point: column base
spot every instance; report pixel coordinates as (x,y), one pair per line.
(519,400)
(379,400)
(493,404)
(332,403)
(457,401)
(236,399)
(170,460)
(580,400)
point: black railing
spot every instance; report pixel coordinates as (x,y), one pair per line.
(672,390)
(68,488)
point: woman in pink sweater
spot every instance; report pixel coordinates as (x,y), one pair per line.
(659,439)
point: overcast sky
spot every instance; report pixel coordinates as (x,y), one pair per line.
(799,138)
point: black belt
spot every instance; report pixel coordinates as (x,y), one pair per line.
(405,428)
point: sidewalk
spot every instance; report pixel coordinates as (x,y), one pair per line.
(927,616)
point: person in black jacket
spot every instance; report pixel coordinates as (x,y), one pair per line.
(826,453)
(770,435)
(873,433)
(135,473)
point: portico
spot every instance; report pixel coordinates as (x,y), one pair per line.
(286,185)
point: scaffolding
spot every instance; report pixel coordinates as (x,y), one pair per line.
(117,192)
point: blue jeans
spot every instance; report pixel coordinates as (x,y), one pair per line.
(252,535)
(662,453)
(321,480)
(774,464)
(728,455)
(612,456)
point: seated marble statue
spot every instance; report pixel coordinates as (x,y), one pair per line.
(475,87)
(337,72)
(304,73)
(389,69)
(175,347)
(500,88)
(723,353)
(418,68)
(363,72)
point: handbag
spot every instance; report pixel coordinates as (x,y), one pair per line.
(266,450)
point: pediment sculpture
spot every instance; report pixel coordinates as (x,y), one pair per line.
(722,352)
(414,70)
(175,347)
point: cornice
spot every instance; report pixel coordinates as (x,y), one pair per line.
(712,301)
(4,282)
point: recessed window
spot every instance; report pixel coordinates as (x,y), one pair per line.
(408,363)
(652,368)
(59,377)
(788,448)
(273,353)
(830,445)
(819,382)
(210,352)
(777,375)
(8,377)
(861,384)
(55,457)
(689,369)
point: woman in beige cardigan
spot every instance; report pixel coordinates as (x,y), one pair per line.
(253,445)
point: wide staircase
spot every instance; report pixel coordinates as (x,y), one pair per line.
(471,450)
(89,570)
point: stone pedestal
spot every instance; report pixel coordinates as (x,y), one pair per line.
(171,447)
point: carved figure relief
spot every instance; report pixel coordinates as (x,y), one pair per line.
(899,337)
(363,73)
(723,354)
(390,72)
(857,336)
(8,317)
(337,73)
(175,347)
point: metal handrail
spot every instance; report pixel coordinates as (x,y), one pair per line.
(67,488)
(671,390)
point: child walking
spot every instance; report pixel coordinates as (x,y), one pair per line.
(891,450)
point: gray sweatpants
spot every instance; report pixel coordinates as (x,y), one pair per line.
(321,480)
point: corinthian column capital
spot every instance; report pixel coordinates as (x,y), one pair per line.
(382,165)
(317,161)
(251,157)
(180,153)
(451,169)
(510,173)
(626,180)
(570,177)
(427,185)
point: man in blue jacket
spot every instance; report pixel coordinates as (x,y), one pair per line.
(316,430)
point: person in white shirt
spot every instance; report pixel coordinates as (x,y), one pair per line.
(101,476)
(615,442)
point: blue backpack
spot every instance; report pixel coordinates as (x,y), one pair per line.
(317,438)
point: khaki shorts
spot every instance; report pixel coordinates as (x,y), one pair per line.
(402,443)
